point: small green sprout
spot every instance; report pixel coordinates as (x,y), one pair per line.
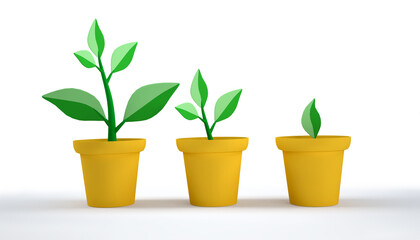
(225,105)
(311,121)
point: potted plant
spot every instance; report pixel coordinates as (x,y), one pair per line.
(110,165)
(313,163)
(212,164)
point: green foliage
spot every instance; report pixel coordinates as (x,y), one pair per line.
(122,57)
(145,103)
(148,101)
(85,58)
(188,111)
(311,121)
(96,40)
(77,104)
(225,105)
(199,91)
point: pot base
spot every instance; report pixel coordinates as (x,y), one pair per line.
(212,168)
(213,178)
(110,180)
(110,170)
(310,205)
(313,168)
(313,178)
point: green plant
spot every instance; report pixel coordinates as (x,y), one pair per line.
(225,105)
(145,102)
(311,121)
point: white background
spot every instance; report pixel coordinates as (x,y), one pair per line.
(359,59)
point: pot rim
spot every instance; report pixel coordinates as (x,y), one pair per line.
(217,145)
(323,143)
(103,146)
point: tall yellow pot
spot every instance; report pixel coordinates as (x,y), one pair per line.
(313,168)
(110,170)
(213,168)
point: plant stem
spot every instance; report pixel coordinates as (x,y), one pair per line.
(212,127)
(109,77)
(119,126)
(112,134)
(206,124)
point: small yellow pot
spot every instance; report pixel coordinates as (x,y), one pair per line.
(313,168)
(110,170)
(213,168)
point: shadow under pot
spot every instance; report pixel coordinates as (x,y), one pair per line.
(213,168)
(110,170)
(313,168)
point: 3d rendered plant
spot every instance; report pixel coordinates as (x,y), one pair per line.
(311,121)
(145,102)
(225,105)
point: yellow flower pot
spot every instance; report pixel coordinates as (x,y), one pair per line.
(110,170)
(213,168)
(313,168)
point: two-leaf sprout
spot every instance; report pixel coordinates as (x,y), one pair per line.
(225,105)
(145,102)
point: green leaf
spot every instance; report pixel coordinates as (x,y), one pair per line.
(85,58)
(122,56)
(226,105)
(199,91)
(77,104)
(96,39)
(311,121)
(187,110)
(148,101)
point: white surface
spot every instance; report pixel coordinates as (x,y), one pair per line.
(364,215)
(359,59)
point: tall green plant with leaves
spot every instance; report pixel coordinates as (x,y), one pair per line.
(145,102)
(225,105)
